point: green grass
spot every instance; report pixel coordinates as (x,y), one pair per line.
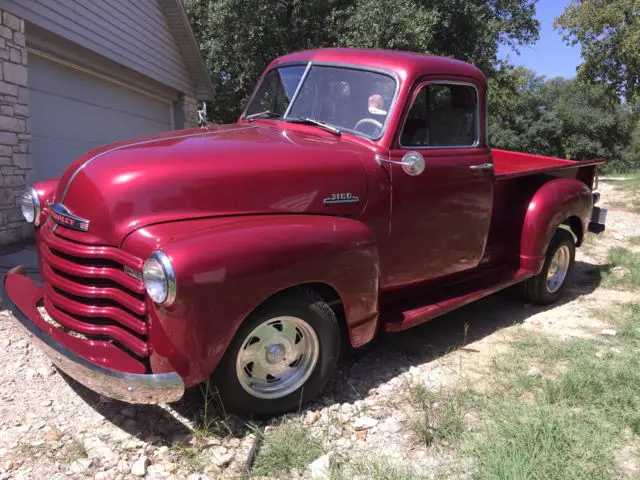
(214,421)
(291,447)
(634,240)
(617,204)
(66,454)
(540,442)
(566,422)
(579,406)
(73,451)
(373,469)
(625,181)
(624,268)
(439,415)
(193,458)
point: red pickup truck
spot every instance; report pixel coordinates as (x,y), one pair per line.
(356,194)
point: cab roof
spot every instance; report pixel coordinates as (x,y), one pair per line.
(406,65)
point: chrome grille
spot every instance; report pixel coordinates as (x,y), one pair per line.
(87,291)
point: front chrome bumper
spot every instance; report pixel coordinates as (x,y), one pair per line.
(128,387)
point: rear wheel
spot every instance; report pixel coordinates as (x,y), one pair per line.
(549,285)
(281,357)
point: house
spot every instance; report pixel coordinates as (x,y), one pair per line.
(77,74)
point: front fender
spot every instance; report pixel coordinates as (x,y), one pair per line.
(227,270)
(552,204)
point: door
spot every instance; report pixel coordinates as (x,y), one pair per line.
(440,218)
(73,112)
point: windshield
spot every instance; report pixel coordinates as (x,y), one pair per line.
(357,101)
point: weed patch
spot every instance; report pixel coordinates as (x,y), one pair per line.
(541,442)
(376,469)
(193,458)
(214,420)
(573,424)
(291,447)
(439,415)
(624,268)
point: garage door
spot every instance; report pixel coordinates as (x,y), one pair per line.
(73,112)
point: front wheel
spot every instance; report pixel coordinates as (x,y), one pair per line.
(281,357)
(548,286)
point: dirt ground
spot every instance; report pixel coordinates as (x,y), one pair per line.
(51,427)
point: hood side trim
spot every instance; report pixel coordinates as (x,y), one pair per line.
(145,142)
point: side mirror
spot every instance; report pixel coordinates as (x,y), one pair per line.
(412,163)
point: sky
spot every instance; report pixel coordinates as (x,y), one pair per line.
(550,56)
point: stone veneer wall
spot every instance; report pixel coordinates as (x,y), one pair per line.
(190,106)
(15,128)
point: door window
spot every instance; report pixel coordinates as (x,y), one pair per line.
(442,115)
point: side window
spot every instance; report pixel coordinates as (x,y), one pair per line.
(276,90)
(443,115)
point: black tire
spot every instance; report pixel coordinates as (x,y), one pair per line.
(536,289)
(306,305)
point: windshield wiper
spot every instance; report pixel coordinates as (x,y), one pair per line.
(310,121)
(265,114)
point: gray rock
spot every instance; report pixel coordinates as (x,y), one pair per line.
(221,457)
(321,467)
(81,465)
(345,417)
(123,467)
(365,423)
(347,408)
(534,372)
(311,417)
(391,426)
(233,442)
(139,467)
(97,449)
(157,470)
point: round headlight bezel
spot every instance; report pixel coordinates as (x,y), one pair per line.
(35,200)
(169,278)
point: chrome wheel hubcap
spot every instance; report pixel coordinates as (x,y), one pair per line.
(558,269)
(277,357)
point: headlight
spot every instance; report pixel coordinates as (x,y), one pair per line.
(159,279)
(30,205)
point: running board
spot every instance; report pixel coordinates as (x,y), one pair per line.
(402,315)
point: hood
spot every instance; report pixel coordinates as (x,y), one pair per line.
(218,171)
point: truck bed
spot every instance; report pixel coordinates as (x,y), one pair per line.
(509,164)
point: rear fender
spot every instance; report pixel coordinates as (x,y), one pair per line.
(552,204)
(225,272)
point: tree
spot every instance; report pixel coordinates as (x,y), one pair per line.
(609,35)
(470,30)
(560,118)
(240,37)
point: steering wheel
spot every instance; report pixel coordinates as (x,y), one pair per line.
(368,121)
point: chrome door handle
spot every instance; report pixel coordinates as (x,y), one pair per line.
(482,166)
